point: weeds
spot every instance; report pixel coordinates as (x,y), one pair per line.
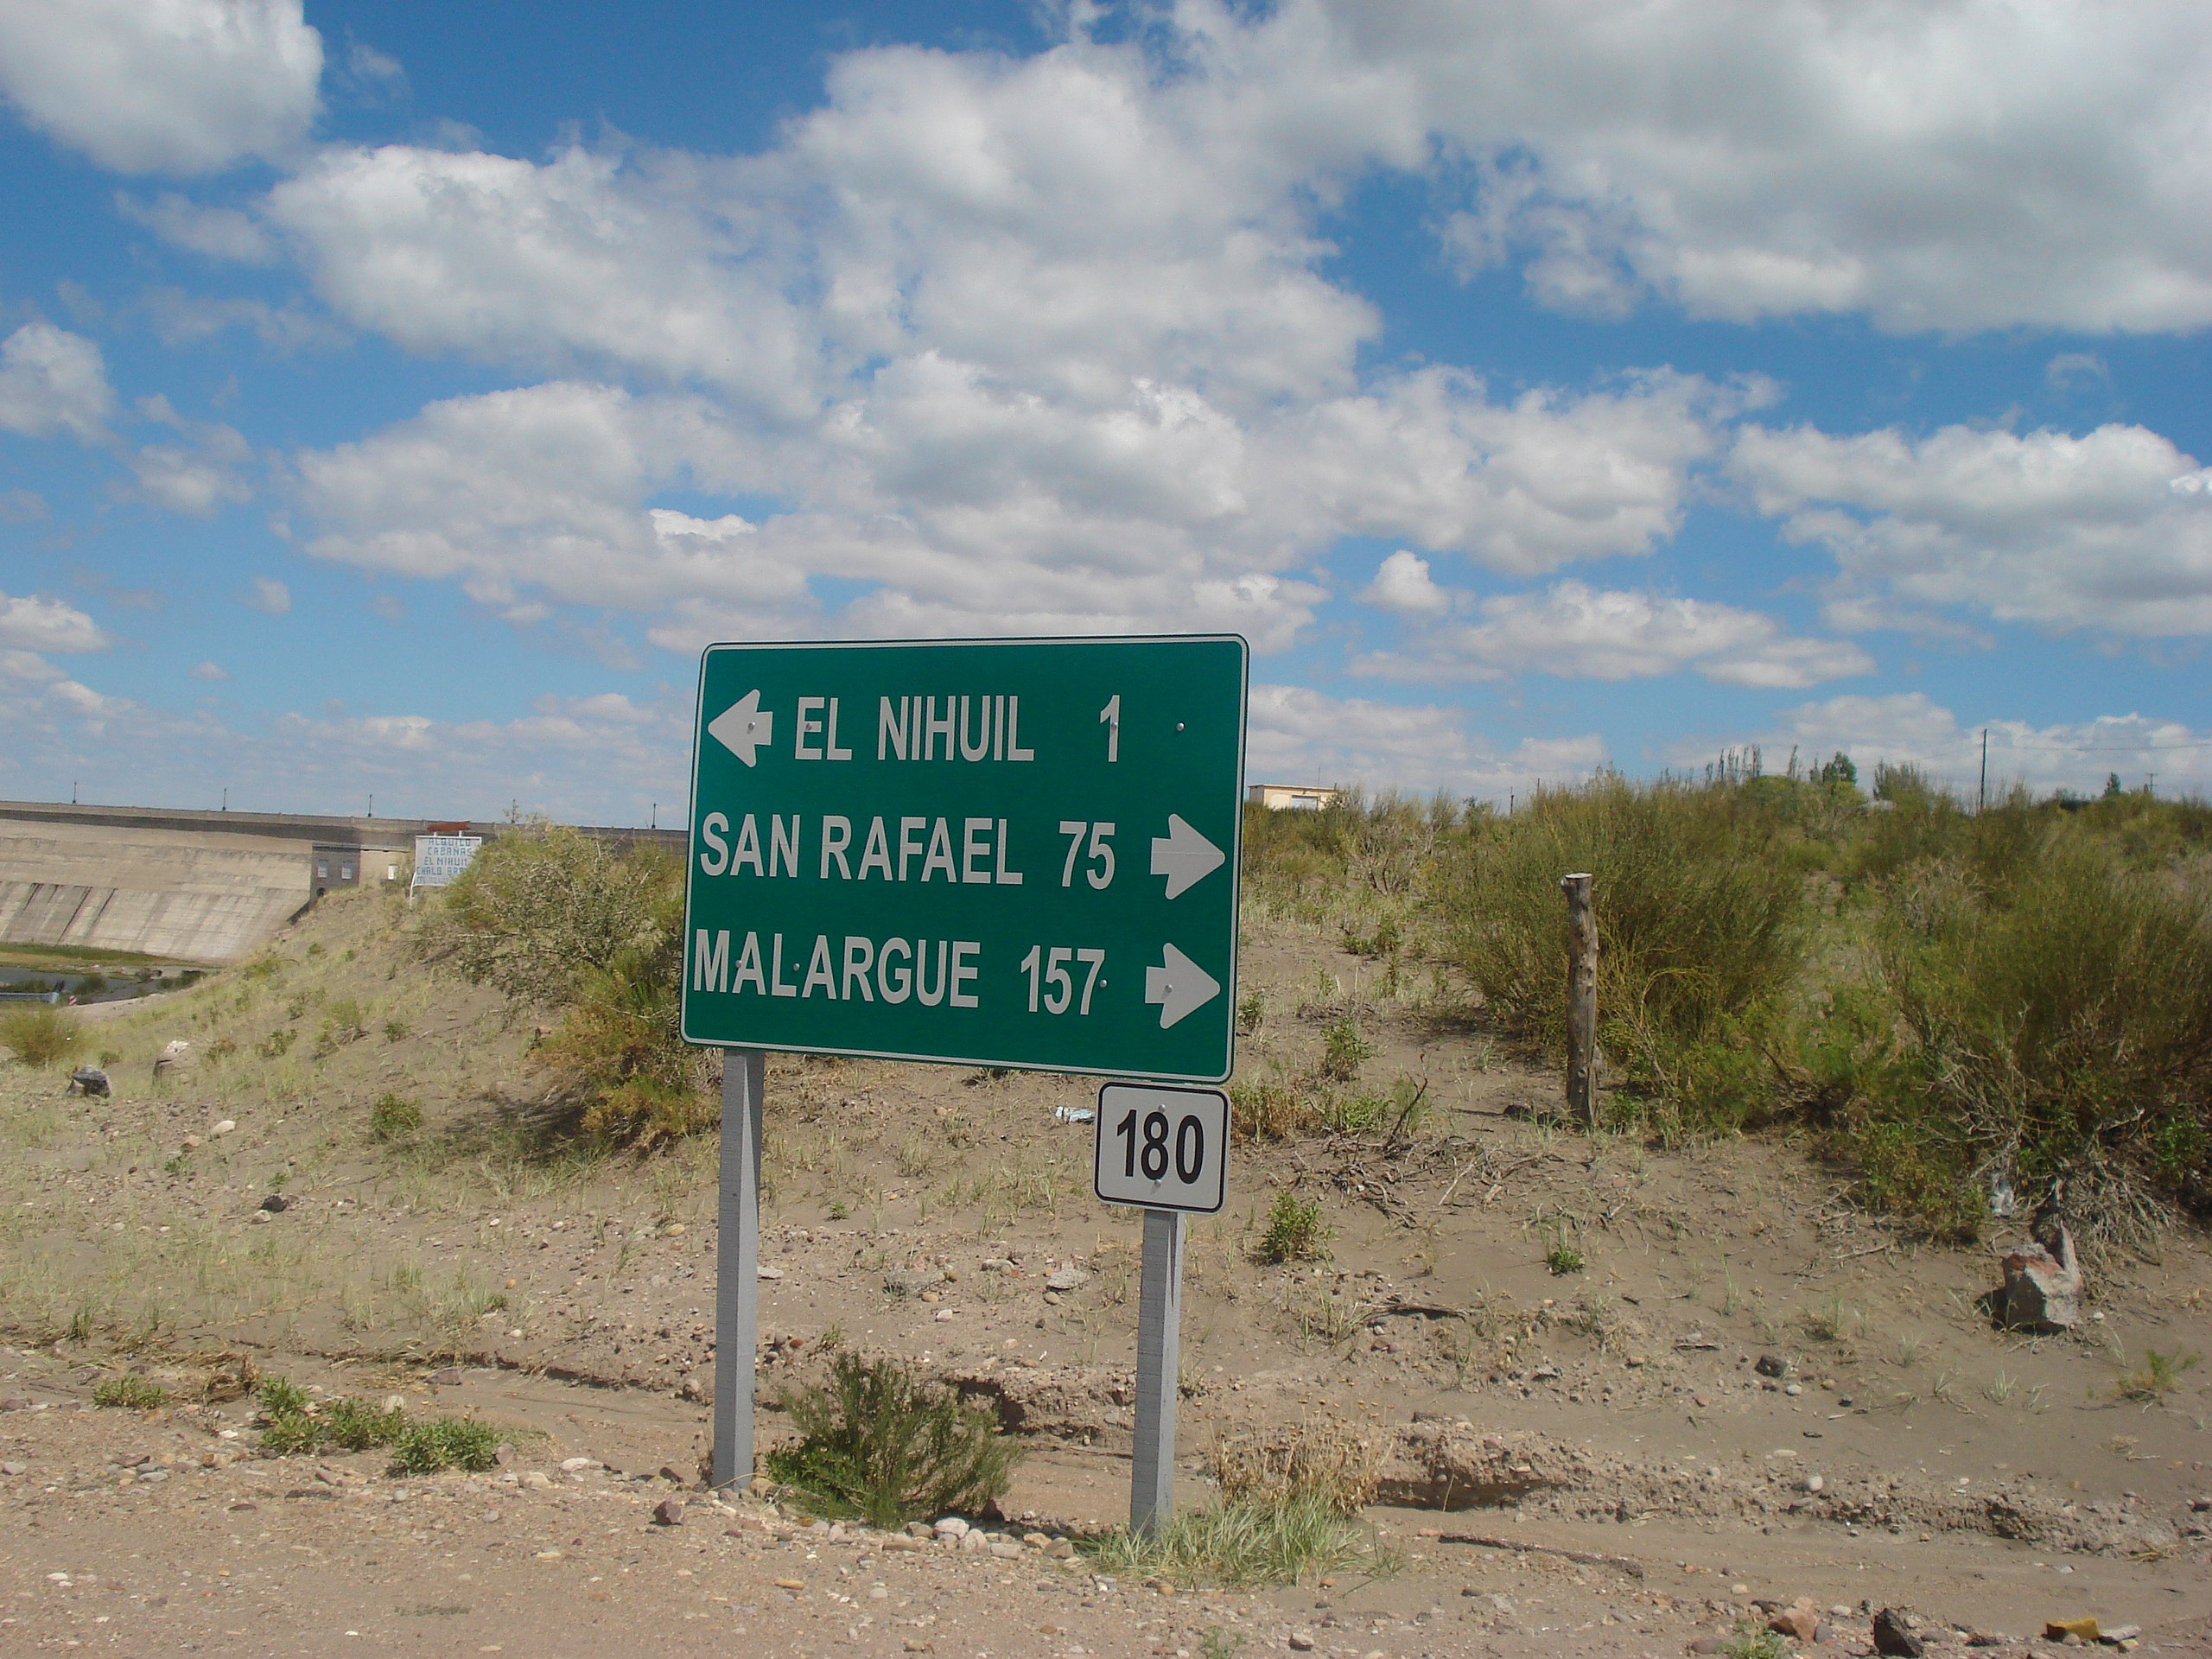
(1295,1230)
(1243,1543)
(130,1393)
(38,1033)
(882,1443)
(394,1117)
(1344,1051)
(1268,1111)
(1341,1469)
(295,1426)
(1830,1320)
(2158,1377)
(1755,1642)
(1563,1258)
(439,1444)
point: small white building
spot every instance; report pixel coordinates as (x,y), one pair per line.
(1291,797)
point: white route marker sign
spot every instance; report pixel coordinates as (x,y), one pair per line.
(1161,1148)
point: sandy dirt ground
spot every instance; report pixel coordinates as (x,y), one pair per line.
(1749,1393)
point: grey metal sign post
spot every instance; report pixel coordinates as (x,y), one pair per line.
(737,1267)
(1013,853)
(1165,1151)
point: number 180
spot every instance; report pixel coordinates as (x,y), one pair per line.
(1151,1156)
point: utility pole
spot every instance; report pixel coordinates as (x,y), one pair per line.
(1983,802)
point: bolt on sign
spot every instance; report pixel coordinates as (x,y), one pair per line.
(1018,853)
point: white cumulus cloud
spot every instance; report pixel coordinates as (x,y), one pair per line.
(163,86)
(52,381)
(2100,530)
(1575,631)
(36,623)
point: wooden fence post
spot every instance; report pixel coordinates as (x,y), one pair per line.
(1581,999)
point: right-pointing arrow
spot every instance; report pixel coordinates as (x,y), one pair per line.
(1184,856)
(1179,985)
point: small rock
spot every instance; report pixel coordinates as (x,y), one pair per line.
(15,1468)
(1301,1641)
(1800,1619)
(1708,1644)
(224,1126)
(2122,1633)
(1985,1639)
(571,1465)
(1067,1279)
(1812,1483)
(1060,1550)
(2058,1629)
(89,1080)
(1893,1635)
(669,1512)
(1006,1549)
(1793,1388)
(767,1273)
(950,1526)
(2043,1289)
(1771,1365)
(504,1453)
(276,1204)
(536,1479)
(446,1377)
(900,1541)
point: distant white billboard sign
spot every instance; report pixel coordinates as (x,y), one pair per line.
(439,860)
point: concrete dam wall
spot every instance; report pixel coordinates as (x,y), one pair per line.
(198,896)
(197,886)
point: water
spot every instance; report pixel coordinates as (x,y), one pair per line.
(47,985)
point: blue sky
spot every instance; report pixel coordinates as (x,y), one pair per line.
(393,400)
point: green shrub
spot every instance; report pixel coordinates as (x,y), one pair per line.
(881,1443)
(395,1117)
(131,1393)
(38,1033)
(1563,1258)
(280,1396)
(1344,1051)
(1295,1230)
(438,1444)
(551,915)
(291,1434)
(1700,908)
(2035,1006)
(354,1425)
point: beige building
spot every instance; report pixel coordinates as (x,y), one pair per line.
(1291,797)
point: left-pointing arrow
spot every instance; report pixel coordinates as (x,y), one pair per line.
(1179,985)
(743,727)
(1184,856)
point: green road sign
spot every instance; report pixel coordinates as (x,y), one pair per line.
(1003,853)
